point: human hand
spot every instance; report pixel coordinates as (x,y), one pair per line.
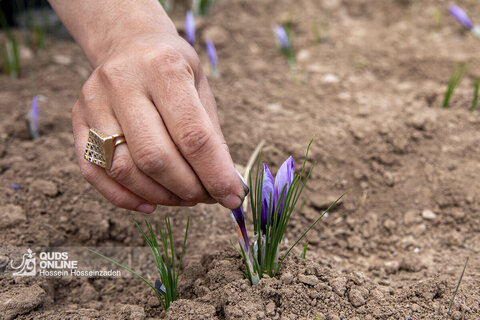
(152,89)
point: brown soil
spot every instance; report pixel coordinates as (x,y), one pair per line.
(370,95)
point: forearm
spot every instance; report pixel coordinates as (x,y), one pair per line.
(96,25)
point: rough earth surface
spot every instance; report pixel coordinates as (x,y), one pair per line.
(370,92)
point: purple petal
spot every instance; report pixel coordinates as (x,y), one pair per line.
(283,178)
(33,118)
(282,37)
(190,27)
(242,231)
(212,53)
(15,186)
(461,16)
(266,192)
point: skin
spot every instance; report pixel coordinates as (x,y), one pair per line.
(147,83)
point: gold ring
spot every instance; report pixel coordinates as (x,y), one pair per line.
(100,148)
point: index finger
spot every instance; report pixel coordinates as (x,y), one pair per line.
(190,127)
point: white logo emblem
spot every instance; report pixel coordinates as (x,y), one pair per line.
(28,265)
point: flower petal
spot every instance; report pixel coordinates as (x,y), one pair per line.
(282,37)
(212,53)
(461,16)
(242,231)
(283,178)
(267,190)
(190,27)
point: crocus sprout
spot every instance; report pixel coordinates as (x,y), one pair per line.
(459,71)
(163,253)
(283,42)
(212,57)
(463,18)
(202,7)
(190,27)
(475,95)
(10,53)
(33,118)
(272,202)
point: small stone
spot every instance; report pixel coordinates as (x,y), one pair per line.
(62,59)
(130,311)
(275,107)
(287,278)
(428,214)
(310,280)
(270,308)
(303,55)
(11,215)
(19,301)
(330,78)
(339,285)
(391,267)
(356,298)
(47,188)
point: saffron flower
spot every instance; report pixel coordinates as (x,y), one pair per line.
(283,42)
(272,202)
(33,119)
(463,18)
(212,57)
(246,251)
(15,186)
(282,37)
(190,28)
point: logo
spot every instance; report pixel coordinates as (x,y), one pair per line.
(28,266)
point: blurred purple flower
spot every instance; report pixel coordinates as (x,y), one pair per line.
(15,186)
(282,37)
(461,16)
(212,56)
(273,188)
(190,27)
(33,118)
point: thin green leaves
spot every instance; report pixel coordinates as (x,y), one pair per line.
(475,95)
(271,214)
(10,53)
(459,71)
(164,258)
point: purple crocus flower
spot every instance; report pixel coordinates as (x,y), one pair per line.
(15,186)
(461,16)
(273,189)
(33,118)
(190,27)
(282,37)
(212,56)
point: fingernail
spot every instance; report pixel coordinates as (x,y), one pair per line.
(146,208)
(246,189)
(232,202)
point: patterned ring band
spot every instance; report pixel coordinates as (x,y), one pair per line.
(100,148)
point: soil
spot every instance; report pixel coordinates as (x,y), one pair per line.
(370,93)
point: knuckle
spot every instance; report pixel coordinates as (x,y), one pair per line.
(112,73)
(121,169)
(151,160)
(172,64)
(195,140)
